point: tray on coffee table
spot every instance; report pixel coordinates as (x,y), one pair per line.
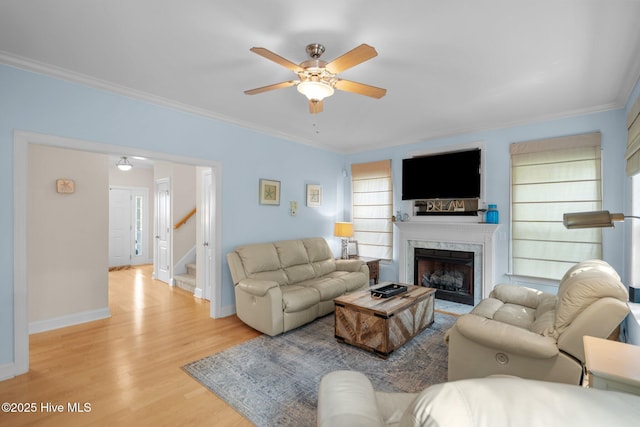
(388,290)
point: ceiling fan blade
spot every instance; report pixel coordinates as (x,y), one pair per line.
(315,106)
(360,88)
(270,87)
(266,53)
(352,58)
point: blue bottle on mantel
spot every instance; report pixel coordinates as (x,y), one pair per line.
(492,216)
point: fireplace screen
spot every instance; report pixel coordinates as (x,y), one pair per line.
(449,272)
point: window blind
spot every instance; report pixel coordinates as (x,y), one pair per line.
(372,207)
(549,178)
(632,156)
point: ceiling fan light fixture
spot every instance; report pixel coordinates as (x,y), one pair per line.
(124,164)
(314,90)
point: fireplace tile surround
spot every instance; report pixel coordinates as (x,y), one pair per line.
(478,238)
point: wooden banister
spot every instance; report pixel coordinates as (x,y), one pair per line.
(185,219)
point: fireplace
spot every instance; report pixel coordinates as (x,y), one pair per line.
(449,236)
(450,272)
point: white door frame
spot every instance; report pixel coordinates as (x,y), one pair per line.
(21,141)
(205,236)
(163,271)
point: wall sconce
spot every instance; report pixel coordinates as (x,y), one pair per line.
(343,230)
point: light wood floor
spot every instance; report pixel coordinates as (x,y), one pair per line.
(128,367)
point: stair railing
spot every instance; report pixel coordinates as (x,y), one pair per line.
(184,220)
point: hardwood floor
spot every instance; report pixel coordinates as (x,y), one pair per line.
(128,367)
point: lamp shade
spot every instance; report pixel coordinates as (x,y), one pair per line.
(316,91)
(591,219)
(343,229)
(124,164)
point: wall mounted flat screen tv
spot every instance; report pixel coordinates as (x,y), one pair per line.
(453,175)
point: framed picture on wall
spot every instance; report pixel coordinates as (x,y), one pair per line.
(314,195)
(269,192)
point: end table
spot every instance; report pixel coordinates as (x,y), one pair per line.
(374,268)
(612,365)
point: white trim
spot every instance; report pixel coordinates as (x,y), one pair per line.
(96,83)
(180,267)
(20,271)
(227,310)
(21,141)
(7,371)
(482,234)
(79,78)
(448,149)
(69,320)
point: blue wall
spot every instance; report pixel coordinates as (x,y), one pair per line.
(611,124)
(37,103)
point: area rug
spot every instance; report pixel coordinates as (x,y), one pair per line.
(273,381)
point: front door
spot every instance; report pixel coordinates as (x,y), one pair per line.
(128,225)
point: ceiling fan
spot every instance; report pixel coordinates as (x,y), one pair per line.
(317,79)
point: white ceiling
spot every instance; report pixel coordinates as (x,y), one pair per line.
(449,66)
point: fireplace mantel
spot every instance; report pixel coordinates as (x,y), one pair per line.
(481,235)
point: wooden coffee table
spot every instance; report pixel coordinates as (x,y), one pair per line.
(381,325)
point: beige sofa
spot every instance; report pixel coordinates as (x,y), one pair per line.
(282,285)
(527,333)
(347,399)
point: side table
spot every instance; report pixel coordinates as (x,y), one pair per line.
(374,268)
(612,365)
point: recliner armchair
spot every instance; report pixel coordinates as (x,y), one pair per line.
(532,334)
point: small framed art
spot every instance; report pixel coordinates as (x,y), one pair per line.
(269,192)
(352,249)
(314,195)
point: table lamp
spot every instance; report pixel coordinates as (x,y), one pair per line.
(343,230)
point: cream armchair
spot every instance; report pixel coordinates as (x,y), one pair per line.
(531,334)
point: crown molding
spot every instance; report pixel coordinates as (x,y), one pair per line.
(49,70)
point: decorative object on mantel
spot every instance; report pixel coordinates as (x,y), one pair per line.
(492,215)
(343,230)
(446,207)
(269,192)
(65,186)
(399,216)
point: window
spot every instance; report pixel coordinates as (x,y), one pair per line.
(548,178)
(635,231)
(372,199)
(632,156)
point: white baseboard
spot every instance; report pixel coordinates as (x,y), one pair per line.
(198,293)
(68,320)
(8,370)
(227,311)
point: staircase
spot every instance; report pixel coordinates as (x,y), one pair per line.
(187,281)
